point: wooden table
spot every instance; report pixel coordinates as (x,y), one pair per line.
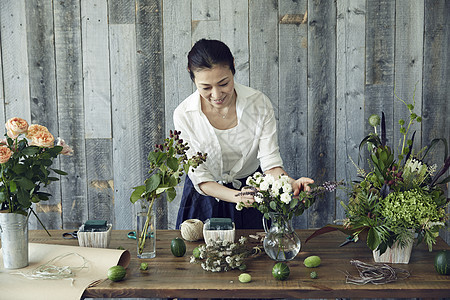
(175,277)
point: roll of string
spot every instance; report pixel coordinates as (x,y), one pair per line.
(192,230)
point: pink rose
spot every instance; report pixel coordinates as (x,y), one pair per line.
(42,139)
(34,129)
(15,127)
(5,154)
(67,150)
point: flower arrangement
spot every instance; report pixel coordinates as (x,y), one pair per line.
(276,196)
(399,197)
(221,256)
(26,156)
(168,163)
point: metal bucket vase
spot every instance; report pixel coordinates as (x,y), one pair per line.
(14,236)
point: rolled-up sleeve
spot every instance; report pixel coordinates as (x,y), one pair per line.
(269,151)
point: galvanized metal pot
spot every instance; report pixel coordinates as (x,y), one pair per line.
(14,236)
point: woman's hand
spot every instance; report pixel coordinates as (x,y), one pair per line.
(246,199)
(301,184)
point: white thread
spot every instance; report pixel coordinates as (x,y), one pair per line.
(52,272)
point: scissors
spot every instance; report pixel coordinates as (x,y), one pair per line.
(70,235)
(349,239)
(132,235)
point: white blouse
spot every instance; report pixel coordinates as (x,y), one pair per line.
(255,136)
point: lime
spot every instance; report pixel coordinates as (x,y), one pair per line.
(312,261)
(374,120)
(245,277)
(144,266)
(280,271)
(116,273)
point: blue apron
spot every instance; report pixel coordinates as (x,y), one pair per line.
(196,206)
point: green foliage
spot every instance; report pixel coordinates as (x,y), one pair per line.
(397,198)
(23,175)
(168,163)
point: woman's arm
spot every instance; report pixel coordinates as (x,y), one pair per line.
(214,189)
(297,185)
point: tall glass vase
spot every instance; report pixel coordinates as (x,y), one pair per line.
(14,236)
(145,229)
(281,243)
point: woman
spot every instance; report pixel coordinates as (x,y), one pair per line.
(236,127)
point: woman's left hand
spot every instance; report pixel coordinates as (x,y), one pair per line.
(301,184)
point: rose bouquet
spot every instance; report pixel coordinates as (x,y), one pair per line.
(398,198)
(26,157)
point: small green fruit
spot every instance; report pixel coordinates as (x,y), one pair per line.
(144,266)
(313,275)
(196,252)
(243,267)
(116,273)
(312,261)
(280,271)
(178,247)
(442,262)
(245,277)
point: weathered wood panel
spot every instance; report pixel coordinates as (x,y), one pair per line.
(350,40)
(263,49)
(436,90)
(69,80)
(177,83)
(100,179)
(44,105)
(293,104)
(15,59)
(321,104)
(380,34)
(125,117)
(408,66)
(96,83)
(2,97)
(150,86)
(234,33)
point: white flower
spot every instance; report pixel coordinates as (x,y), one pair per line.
(276,186)
(287,187)
(228,259)
(264,185)
(192,260)
(285,198)
(258,198)
(239,206)
(269,179)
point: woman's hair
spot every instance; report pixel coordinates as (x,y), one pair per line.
(205,54)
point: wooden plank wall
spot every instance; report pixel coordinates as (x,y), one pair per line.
(107,75)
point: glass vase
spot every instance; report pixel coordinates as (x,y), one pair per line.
(281,242)
(145,229)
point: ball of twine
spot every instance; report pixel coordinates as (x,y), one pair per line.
(192,230)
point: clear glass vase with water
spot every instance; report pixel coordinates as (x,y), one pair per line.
(281,242)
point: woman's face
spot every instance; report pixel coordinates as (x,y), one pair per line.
(216,85)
